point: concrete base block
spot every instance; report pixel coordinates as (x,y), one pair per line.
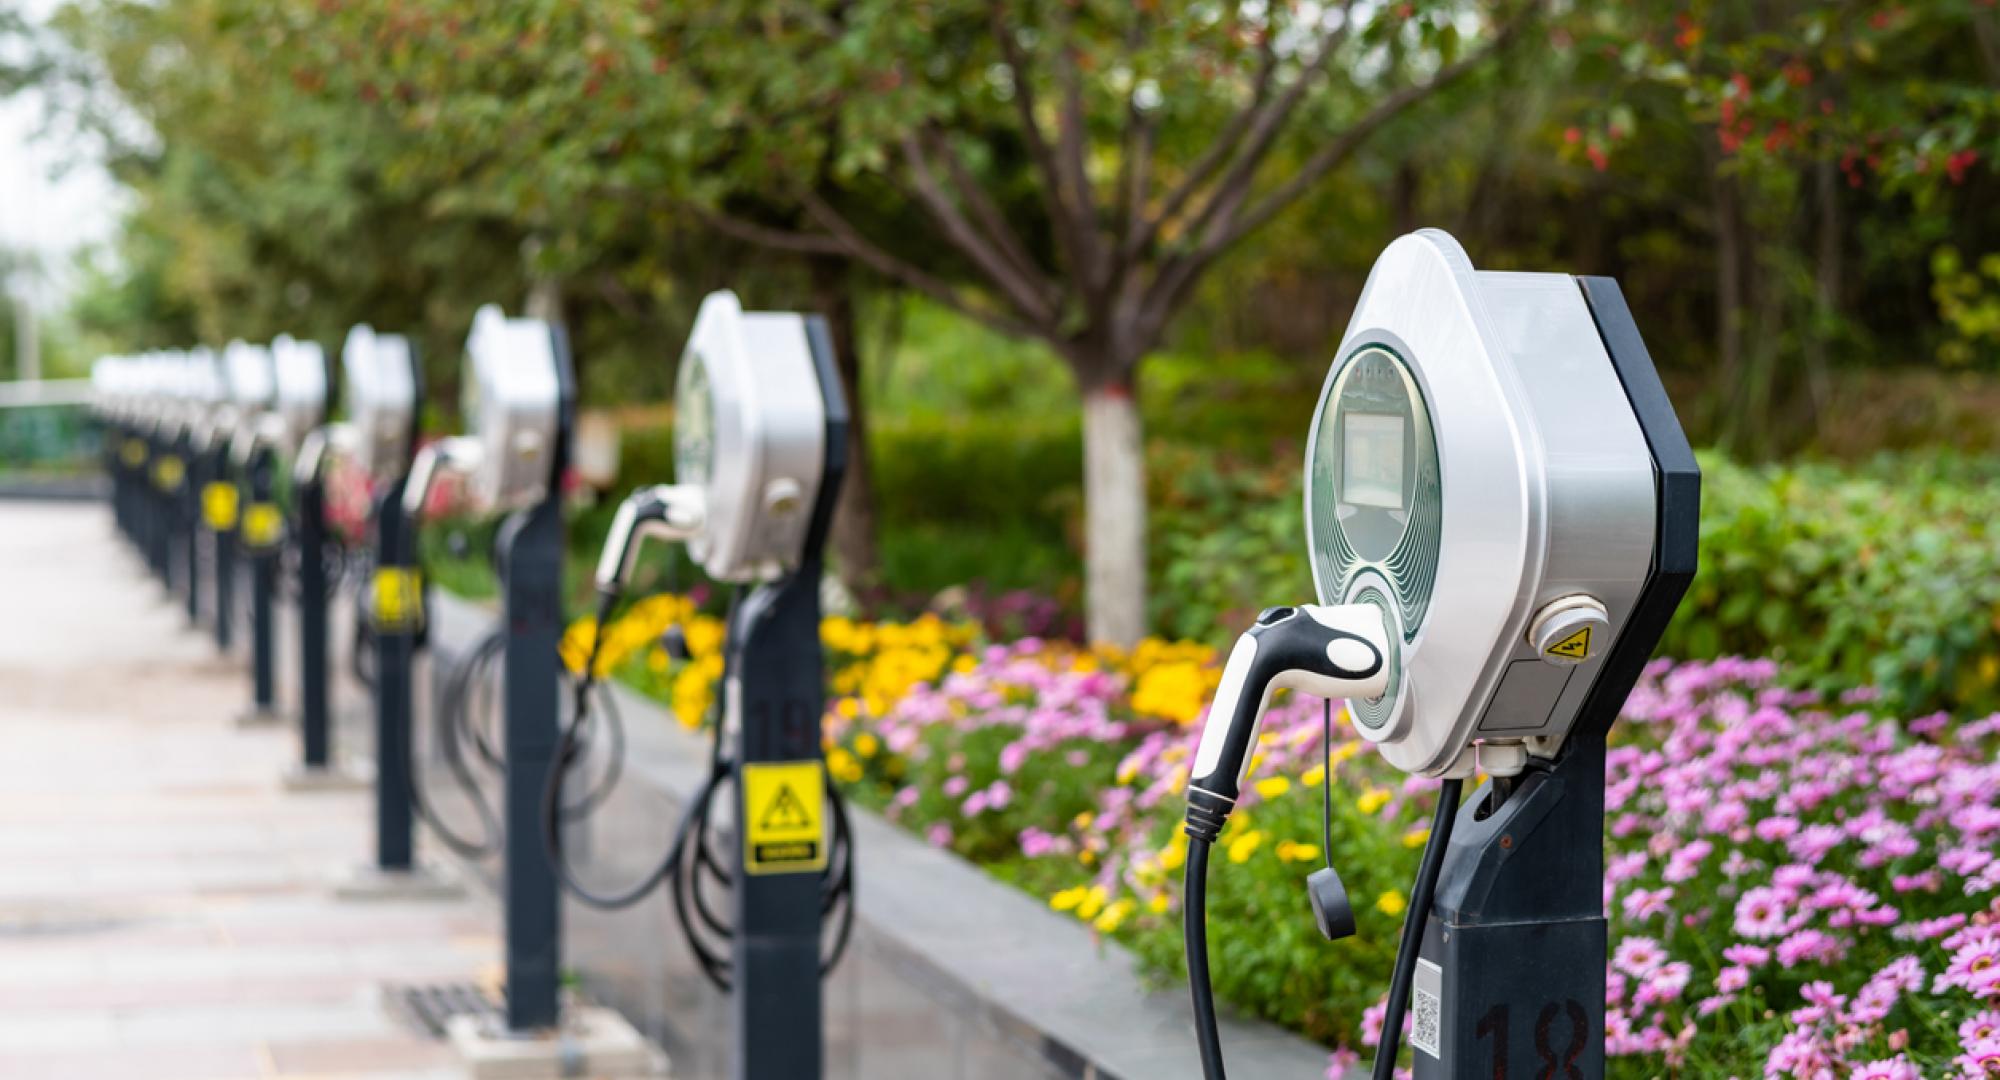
(591,1042)
(423,881)
(259,717)
(306,778)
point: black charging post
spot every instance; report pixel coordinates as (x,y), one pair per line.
(263,534)
(776,672)
(309,515)
(530,557)
(220,510)
(187,510)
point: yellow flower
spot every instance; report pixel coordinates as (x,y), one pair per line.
(843,765)
(1113,916)
(1127,771)
(1081,820)
(1391,903)
(1087,857)
(964,664)
(1093,902)
(866,744)
(1417,838)
(1244,846)
(1158,904)
(848,708)
(1293,851)
(1345,752)
(1273,787)
(1068,899)
(1314,776)
(1174,855)
(1372,800)
(1174,691)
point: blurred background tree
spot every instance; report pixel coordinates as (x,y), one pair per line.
(1002,206)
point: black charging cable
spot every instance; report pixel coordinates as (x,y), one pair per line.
(694,866)
(1422,895)
(1202,833)
(465,699)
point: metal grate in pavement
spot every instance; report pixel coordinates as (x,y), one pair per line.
(430,1007)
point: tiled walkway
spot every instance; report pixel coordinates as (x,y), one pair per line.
(164,904)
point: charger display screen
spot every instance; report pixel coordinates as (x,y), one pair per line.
(1372,461)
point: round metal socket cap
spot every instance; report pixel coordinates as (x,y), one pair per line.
(1570,630)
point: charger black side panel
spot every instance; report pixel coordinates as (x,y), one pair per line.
(1677,485)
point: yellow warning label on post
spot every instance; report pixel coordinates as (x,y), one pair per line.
(168,472)
(1575,647)
(263,525)
(784,809)
(218,505)
(133,453)
(399,599)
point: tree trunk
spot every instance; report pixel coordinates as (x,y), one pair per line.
(1403,199)
(1114,496)
(1826,290)
(1728,300)
(1987,33)
(854,553)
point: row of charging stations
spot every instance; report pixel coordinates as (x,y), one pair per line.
(1501,517)
(196,443)
(759,444)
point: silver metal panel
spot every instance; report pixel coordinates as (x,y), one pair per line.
(1602,501)
(380,389)
(765,445)
(1547,489)
(516,395)
(300,370)
(1422,292)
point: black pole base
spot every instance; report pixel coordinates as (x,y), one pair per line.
(530,551)
(1510,980)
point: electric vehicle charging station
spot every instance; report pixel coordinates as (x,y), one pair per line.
(111,387)
(207,401)
(170,468)
(759,451)
(380,386)
(1502,514)
(253,373)
(520,399)
(251,388)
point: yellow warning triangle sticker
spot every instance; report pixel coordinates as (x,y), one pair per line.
(1575,647)
(785,811)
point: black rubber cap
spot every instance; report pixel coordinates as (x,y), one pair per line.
(1331,910)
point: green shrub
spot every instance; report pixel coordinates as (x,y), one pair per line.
(1885,574)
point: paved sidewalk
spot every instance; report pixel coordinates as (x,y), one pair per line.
(164,905)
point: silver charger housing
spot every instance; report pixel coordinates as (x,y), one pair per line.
(379,388)
(749,437)
(299,401)
(253,391)
(513,405)
(1475,469)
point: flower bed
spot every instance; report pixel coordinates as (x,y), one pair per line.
(1795,889)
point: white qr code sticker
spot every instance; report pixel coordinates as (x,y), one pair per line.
(1427,1008)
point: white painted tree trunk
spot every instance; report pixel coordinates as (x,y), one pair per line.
(1114,496)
